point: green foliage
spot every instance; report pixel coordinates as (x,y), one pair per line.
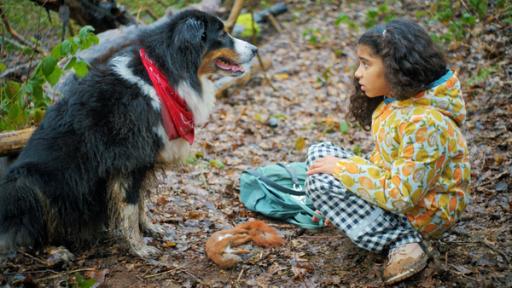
(157,7)
(481,75)
(24,104)
(313,36)
(345,19)
(216,164)
(82,282)
(357,150)
(251,28)
(505,7)
(374,16)
(458,18)
(480,7)
(323,79)
(344,127)
(378,15)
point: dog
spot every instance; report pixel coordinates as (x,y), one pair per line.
(83,169)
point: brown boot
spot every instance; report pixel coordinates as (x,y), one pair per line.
(403,262)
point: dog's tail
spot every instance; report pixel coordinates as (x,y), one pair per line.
(21,214)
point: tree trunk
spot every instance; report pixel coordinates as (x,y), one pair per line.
(100,14)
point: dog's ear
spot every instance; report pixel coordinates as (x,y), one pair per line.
(191,31)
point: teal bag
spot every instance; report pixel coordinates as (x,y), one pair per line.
(277,191)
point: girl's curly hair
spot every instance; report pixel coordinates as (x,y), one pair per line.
(411,62)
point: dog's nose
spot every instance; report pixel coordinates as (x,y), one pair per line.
(254,50)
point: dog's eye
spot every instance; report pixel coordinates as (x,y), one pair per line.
(223,33)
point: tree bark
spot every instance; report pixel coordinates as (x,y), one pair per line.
(102,15)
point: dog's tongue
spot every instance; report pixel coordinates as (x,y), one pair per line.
(228,66)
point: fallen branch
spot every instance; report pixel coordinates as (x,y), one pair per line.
(18,37)
(65,273)
(18,71)
(233,15)
(13,141)
(102,15)
(34,258)
(175,269)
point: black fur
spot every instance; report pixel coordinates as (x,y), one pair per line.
(56,191)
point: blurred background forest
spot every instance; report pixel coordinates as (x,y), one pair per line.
(299,99)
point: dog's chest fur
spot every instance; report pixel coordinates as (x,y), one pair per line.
(200,103)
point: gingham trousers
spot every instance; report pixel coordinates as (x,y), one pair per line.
(368,226)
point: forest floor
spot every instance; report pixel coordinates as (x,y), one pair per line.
(313,62)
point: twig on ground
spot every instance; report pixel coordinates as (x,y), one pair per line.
(193,276)
(22,69)
(260,61)
(18,37)
(66,273)
(34,258)
(275,23)
(265,75)
(163,273)
(240,275)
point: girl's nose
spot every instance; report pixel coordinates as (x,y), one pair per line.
(358,74)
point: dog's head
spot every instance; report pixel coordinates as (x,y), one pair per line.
(193,45)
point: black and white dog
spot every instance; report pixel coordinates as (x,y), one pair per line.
(83,168)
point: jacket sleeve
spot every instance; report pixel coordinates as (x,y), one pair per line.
(418,164)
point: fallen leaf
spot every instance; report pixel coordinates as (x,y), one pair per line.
(281,76)
(300,143)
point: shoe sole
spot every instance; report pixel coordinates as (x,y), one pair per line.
(408,273)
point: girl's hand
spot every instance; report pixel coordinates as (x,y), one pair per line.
(326,165)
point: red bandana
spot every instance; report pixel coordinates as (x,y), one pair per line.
(177,119)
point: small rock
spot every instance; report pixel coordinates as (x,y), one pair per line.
(273,122)
(502,186)
(59,255)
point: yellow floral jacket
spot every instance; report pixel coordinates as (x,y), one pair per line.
(419,167)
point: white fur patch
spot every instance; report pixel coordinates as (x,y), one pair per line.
(224,236)
(244,50)
(175,150)
(120,65)
(200,105)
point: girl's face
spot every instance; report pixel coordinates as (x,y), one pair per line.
(370,73)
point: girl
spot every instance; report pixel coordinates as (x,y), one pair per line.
(415,183)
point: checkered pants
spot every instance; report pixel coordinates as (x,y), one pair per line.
(367,225)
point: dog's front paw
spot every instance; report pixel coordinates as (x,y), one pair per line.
(145,251)
(154,229)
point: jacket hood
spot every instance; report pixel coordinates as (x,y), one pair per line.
(444,95)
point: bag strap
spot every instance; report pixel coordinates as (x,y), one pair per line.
(275,185)
(295,181)
(301,204)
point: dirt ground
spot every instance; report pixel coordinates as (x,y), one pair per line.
(307,99)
